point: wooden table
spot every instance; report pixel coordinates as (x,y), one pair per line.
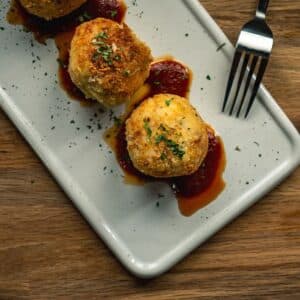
(47,250)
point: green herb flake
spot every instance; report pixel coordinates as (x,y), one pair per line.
(105,51)
(117,57)
(168,101)
(147,127)
(163,156)
(84,17)
(62,63)
(173,146)
(98,43)
(162,128)
(208,77)
(117,121)
(159,138)
(126,73)
(156,82)
(113,13)
(103,35)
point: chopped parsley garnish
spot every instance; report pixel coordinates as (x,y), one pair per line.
(103,49)
(147,127)
(117,121)
(163,156)
(62,63)
(168,101)
(84,17)
(156,82)
(162,127)
(98,43)
(117,57)
(160,138)
(173,146)
(102,35)
(208,77)
(126,73)
(113,13)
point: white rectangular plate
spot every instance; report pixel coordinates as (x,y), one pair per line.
(147,239)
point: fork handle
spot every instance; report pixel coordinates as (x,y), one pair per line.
(262,9)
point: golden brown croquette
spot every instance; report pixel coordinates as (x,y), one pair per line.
(166,137)
(108,63)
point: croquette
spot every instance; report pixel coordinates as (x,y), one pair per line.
(166,137)
(108,63)
(51,9)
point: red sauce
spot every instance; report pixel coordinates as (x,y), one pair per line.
(62,30)
(193,191)
(109,9)
(169,76)
(199,189)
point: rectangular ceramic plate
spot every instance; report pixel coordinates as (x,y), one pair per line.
(147,239)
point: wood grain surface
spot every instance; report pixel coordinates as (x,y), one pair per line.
(48,251)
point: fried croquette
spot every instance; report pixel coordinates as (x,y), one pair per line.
(108,63)
(166,137)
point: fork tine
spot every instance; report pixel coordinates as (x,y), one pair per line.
(244,66)
(260,74)
(235,64)
(250,74)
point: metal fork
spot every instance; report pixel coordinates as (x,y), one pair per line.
(254,44)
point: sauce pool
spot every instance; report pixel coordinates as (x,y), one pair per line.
(169,76)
